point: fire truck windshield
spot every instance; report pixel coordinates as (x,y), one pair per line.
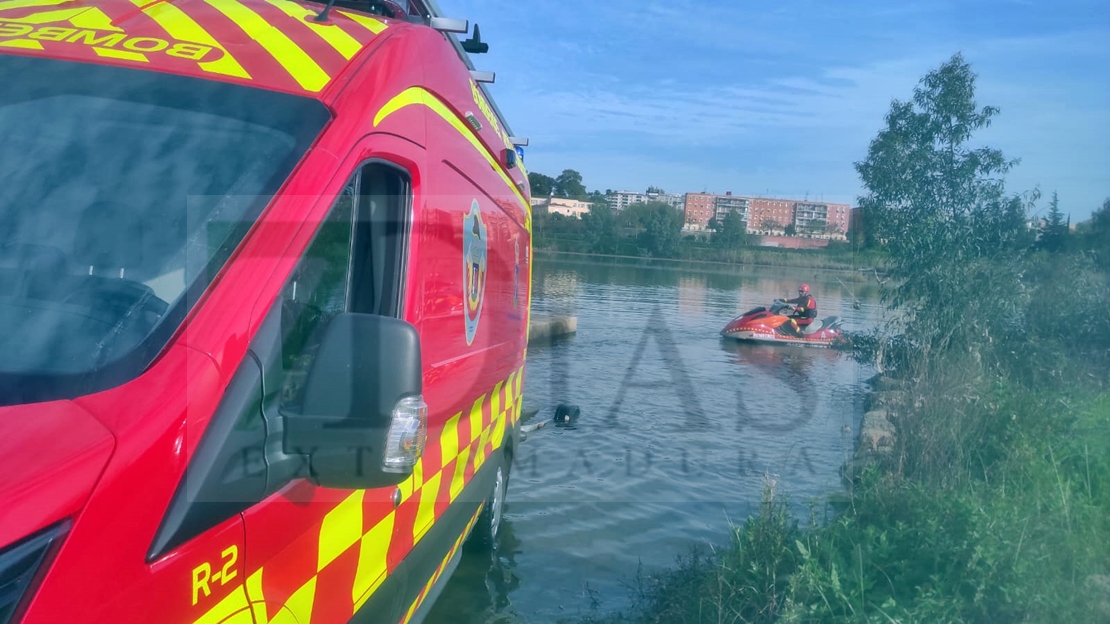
(122,192)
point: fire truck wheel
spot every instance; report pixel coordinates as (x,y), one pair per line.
(488,526)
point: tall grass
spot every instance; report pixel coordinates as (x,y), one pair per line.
(994,506)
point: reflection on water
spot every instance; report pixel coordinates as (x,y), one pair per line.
(679,430)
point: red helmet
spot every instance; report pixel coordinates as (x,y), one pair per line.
(804,289)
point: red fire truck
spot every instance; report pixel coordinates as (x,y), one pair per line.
(265,277)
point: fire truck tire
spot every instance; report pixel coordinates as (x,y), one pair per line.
(484,536)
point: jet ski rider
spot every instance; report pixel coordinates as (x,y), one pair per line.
(805,310)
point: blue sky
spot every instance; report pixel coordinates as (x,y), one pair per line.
(780,98)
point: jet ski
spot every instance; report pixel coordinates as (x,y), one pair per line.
(772,325)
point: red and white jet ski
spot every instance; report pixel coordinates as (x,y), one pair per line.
(763,325)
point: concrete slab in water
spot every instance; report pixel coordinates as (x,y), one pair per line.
(547,329)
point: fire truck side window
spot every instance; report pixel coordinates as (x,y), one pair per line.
(355,264)
(317,292)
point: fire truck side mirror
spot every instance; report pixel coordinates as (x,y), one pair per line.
(363,421)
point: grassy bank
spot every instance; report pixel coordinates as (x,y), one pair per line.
(1005,519)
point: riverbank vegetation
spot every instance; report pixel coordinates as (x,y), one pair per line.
(991,503)
(654,230)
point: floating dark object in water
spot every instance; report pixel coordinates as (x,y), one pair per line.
(532,427)
(566,414)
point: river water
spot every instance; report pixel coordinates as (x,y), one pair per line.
(679,433)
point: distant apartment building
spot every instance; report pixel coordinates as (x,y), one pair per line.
(837,216)
(558,205)
(623,199)
(724,204)
(767,215)
(568,207)
(698,209)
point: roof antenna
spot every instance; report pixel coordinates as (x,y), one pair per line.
(474,44)
(323,16)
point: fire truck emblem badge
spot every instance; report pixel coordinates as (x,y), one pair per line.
(474,268)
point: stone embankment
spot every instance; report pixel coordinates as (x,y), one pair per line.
(878,429)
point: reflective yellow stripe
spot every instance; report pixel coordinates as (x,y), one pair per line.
(509,387)
(372,562)
(480,450)
(287,53)
(233,609)
(121,54)
(458,480)
(256,596)
(498,433)
(476,424)
(419,95)
(298,609)
(181,27)
(95,20)
(341,528)
(425,513)
(495,400)
(449,439)
(26,44)
(335,36)
(26,4)
(368,23)
(519,392)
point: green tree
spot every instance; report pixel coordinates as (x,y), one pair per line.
(569,185)
(1094,235)
(790,230)
(730,232)
(600,228)
(954,238)
(1054,232)
(662,230)
(635,216)
(540,184)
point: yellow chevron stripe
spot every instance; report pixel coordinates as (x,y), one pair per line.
(421,96)
(233,609)
(449,439)
(288,54)
(82,17)
(181,27)
(121,54)
(26,4)
(425,513)
(299,606)
(340,529)
(372,562)
(335,36)
(458,481)
(368,23)
(476,416)
(256,597)
(26,44)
